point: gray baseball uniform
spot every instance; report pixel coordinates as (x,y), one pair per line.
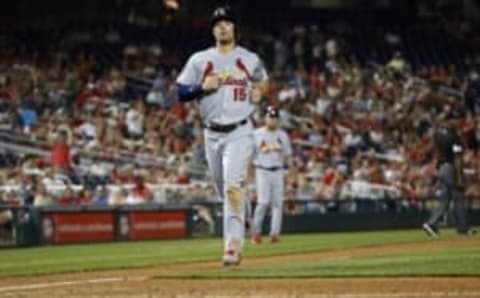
(229,132)
(271,148)
(449,147)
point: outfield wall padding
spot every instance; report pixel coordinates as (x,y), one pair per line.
(318,223)
(85,224)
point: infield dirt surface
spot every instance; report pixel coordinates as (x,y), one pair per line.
(160,281)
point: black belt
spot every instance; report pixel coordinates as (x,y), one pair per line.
(225,128)
(271,169)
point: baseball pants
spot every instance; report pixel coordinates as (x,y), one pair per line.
(269,192)
(448,191)
(228,155)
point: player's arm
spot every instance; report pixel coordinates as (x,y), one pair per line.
(250,170)
(251,161)
(189,92)
(260,82)
(191,85)
(259,90)
(287,151)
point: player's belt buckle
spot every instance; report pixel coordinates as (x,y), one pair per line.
(225,128)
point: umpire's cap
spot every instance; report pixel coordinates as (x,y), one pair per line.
(222,13)
(271,111)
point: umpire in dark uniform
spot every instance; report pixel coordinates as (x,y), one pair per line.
(450,179)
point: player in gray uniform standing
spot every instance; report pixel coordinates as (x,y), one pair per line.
(273,152)
(227,80)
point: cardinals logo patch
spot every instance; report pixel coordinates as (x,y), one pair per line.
(271,147)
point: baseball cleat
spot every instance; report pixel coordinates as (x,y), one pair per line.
(430,230)
(231,258)
(274,239)
(256,239)
(472,232)
(469,232)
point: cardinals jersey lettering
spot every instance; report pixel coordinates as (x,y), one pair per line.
(238,70)
(271,147)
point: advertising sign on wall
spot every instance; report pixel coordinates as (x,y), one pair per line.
(143,225)
(74,227)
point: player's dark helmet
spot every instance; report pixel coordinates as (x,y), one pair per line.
(222,13)
(271,111)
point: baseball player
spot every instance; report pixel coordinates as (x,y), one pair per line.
(450,179)
(272,152)
(227,79)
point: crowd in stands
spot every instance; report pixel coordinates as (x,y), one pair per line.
(80,128)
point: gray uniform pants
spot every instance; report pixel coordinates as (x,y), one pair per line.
(228,155)
(448,191)
(269,192)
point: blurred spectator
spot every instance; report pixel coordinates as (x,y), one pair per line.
(60,153)
(42,197)
(156,97)
(117,196)
(25,189)
(330,185)
(85,196)
(139,194)
(87,131)
(69,198)
(472,93)
(397,64)
(135,120)
(5,214)
(355,112)
(28,117)
(183,175)
(52,179)
(100,198)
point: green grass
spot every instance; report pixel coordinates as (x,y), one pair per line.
(456,261)
(74,258)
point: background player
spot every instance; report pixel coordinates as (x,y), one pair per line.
(227,79)
(450,178)
(272,152)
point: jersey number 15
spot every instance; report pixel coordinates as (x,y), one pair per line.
(239,94)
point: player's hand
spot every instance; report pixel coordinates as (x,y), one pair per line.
(256,94)
(250,173)
(211,83)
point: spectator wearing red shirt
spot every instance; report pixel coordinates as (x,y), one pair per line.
(140,193)
(85,197)
(60,153)
(69,198)
(183,175)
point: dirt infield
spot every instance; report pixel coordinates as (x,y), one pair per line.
(144,282)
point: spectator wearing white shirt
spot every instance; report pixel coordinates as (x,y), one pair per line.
(135,120)
(42,197)
(87,130)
